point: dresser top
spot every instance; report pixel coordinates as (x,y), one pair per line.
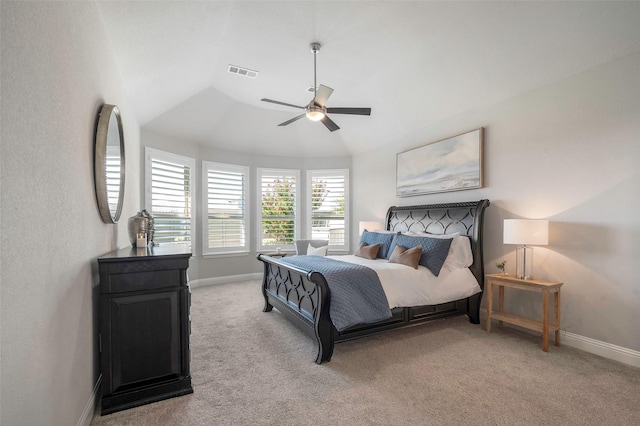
(134,253)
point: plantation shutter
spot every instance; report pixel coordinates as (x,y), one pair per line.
(328,200)
(226,207)
(278,196)
(170,197)
(112,171)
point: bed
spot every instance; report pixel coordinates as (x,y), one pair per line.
(302,293)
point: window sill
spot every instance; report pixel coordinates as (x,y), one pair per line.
(226,254)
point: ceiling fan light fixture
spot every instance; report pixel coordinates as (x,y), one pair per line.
(316,110)
(315,113)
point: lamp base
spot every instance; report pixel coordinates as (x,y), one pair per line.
(524,262)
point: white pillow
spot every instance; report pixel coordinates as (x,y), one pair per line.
(413,233)
(382,231)
(441,236)
(320,251)
(459,255)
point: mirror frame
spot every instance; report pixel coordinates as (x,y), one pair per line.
(100,163)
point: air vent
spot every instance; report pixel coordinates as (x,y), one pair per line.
(234,69)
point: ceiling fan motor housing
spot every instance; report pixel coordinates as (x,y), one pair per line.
(315,112)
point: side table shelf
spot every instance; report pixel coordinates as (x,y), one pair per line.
(540,286)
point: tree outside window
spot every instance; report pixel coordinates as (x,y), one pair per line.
(278,209)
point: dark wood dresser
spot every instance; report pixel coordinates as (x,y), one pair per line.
(144,326)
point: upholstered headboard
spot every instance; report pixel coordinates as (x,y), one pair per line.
(466,218)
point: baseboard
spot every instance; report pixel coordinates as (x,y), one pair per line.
(202,282)
(603,349)
(593,346)
(89,408)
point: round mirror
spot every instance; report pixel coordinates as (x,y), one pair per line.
(109,164)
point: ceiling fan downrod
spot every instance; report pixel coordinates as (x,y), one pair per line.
(315,48)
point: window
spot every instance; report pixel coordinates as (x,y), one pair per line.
(278,194)
(327,206)
(225,208)
(169,195)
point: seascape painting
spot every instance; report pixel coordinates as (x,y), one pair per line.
(451,164)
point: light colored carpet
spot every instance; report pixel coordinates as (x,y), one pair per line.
(256,368)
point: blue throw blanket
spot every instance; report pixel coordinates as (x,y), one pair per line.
(356,293)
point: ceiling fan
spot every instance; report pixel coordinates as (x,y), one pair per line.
(316,109)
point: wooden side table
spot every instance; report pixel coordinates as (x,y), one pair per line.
(541,286)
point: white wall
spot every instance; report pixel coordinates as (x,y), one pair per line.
(57,70)
(568,152)
(204,268)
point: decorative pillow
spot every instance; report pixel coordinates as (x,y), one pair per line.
(434,250)
(382,238)
(317,251)
(366,251)
(409,257)
(460,255)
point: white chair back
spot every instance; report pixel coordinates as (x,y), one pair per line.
(302,245)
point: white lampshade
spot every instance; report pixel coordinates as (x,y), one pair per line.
(369,226)
(526,232)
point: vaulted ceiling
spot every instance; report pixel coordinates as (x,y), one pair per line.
(414,63)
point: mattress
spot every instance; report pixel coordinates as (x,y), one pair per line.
(405,286)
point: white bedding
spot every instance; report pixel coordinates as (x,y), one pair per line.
(405,286)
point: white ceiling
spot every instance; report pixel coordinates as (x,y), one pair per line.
(413,63)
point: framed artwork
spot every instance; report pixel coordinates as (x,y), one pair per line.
(451,164)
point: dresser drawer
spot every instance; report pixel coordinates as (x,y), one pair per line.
(144,280)
(142,274)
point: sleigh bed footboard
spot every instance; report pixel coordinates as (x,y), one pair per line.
(303,297)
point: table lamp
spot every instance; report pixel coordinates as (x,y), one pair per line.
(369,226)
(525,232)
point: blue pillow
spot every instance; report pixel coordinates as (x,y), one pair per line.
(382,238)
(434,250)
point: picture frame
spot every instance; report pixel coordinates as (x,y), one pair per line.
(452,164)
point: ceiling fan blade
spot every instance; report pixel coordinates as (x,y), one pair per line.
(292,120)
(281,103)
(322,94)
(330,124)
(355,111)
